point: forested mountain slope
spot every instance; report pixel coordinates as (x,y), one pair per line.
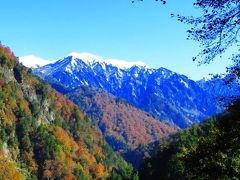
(43,135)
(124,126)
(208,151)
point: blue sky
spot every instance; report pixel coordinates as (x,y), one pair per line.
(118,29)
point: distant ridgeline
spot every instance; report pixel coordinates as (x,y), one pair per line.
(170,97)
(43,135)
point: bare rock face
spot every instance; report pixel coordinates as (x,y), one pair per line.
(7,73)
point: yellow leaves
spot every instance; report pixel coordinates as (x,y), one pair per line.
(7,53)
(58,105)
(99,171)
(3,118)
(13,103)
(69,163)
(81,115)
(47,174)
(82,149)
(23,104)
(91,160)
(28,156)
(69,177)
(9,170)
(99,152)
(65,139)
(64,162)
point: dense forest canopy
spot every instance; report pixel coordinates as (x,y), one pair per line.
(208,151)
(43,135)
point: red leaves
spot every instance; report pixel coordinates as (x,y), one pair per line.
(5,51)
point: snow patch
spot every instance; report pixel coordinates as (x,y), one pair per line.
(185,84)
(91,59)
(33,61)
(124,64)
(86,57)
(68,69)
(208,77)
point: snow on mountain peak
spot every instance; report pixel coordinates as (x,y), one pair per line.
(124,64)
(86,57)
(33,61)
(91,58)
(208,77)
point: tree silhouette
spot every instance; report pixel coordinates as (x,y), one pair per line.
(217,29)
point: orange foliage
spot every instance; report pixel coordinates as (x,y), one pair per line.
(99,152)
(13,103)
(64,138)
(9,170)
(82,149)
(32,164)
(47,174)
(127,123)
(24,105)
(99,171)
(70,177)
(64,106)
(69,163)
(61,154)
(7,52)
(57,105)
(91,160)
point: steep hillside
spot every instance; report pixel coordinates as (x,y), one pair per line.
(43,135)
(168,96)
(125,127)
(208,151)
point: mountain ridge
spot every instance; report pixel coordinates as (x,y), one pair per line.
(168,96)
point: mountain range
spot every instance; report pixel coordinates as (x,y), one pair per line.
(170,97)
(133,105)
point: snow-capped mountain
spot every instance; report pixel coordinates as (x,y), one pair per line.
(33,61)
(91,59)
(168,96)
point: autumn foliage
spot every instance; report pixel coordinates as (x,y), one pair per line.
(43,135)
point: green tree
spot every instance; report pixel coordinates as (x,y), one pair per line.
(208,151)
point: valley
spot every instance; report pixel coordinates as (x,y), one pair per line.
(120,90)
(134,106)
